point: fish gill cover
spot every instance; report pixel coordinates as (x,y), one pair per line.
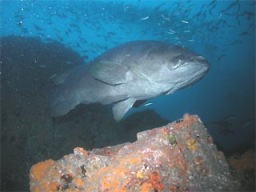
(41,39)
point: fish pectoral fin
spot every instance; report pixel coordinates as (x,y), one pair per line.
(110,72)
(139,103)
(120,108)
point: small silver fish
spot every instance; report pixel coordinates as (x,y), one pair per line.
(183,21)
(144,18)
(147,104)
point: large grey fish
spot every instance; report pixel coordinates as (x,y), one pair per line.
(128,73)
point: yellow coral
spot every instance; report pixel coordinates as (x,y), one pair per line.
(139,175)
(191,144)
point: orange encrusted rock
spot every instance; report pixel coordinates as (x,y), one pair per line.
(176,157)
(80,151)
(38,170)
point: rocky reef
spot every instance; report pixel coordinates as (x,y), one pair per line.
(180,156)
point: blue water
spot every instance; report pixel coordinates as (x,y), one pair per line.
(221,31)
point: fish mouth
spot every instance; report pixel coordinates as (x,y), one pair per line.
(202,69)
(202,62)
(201,65)
(196,69)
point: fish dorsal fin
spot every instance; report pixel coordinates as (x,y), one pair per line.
(110,72)
(120,108)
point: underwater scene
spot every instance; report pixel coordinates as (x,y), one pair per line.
(94,73)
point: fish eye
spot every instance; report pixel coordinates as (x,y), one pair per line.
(179,63)
(176,61)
